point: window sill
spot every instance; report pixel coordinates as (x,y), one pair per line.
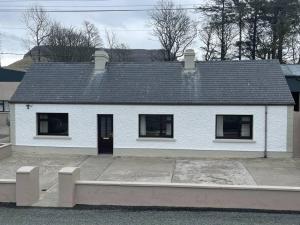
(4,112)
(52,137)
(233,141)
(157,139)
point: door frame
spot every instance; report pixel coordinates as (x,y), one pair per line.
(99,131)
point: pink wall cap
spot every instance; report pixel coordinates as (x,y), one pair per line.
(26,169)
(68,170)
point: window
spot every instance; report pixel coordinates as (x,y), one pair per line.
(4,106)
(160,126)
(297,101)
(52,124)
(234,127)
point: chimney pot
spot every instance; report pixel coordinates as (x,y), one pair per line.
(189,60)
(101,58)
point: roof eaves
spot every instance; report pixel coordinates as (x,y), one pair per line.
(151,103)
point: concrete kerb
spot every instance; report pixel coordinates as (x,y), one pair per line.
(174,194)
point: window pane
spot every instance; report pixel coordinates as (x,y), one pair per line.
(1,106)
(246,119)
(169,118)
(6,106)
(142,125)
(246,130)
(53,124)
(231,126)
(58,124)
(156,125)
(43,116)
(220,132)
(153,126)
(168,126)
(169,129)
(44,127)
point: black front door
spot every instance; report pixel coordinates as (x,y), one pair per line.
(105,134)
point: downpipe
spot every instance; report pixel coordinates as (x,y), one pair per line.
(266,133)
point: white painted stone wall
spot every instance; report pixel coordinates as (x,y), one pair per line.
(194,126)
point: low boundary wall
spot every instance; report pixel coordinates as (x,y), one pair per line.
(174,195)
(24,190)
(7,190)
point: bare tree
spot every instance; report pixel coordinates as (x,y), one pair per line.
(173,27)
(91,33)
(37,23)
(117,50)
(208,43)
(226,35)
(296,51)
(111,39)
(240,12)
(294,47)
(220,13)
(263,43)
(63,43)
(71,44)
(93,39)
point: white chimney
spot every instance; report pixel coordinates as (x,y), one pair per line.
(189,60)
(101,58)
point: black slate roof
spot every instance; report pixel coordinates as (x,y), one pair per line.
(294,83)
(213,83)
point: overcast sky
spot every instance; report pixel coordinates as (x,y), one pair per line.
(131,27)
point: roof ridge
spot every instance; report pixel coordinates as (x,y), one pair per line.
(171,62)
(240,61)
(40,63)
(152,62)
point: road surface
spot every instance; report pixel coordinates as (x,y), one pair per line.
(10,215)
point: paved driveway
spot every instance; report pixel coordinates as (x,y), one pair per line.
(278,172)
(107,168)
(49,165)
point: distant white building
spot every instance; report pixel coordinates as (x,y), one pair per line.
(9,81)
(237,108)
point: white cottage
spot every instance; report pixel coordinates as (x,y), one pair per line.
(236,108)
